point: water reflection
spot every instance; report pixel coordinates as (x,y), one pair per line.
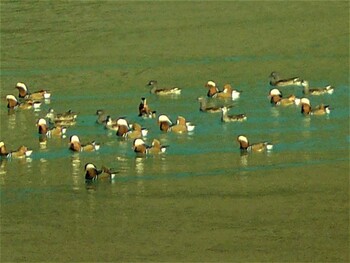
(3,167)
(139,164)
(11,119)
(76,171)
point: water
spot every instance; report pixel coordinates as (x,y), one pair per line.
(201,200)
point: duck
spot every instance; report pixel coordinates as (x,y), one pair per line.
(162,91)
(92,174)
(275,80)
(13,103)
(21,152)
(136,132)
(203,107)
(37,95)
(144,110)
(231,118)
(140,147)
(212,89)
(318,110)
(164,123)
(111,124)
(182,126)
(245,146)
(76,146)
(228,93)
(122,127)
(3,150)
(43,129)
(101,116)
(68,116)
(316,91)
(276,98)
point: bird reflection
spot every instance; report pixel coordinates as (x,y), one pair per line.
(11,119)
(76,171)
(139,164)
(3,166)
(42,141)
(244,158)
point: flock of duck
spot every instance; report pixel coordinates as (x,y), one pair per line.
(55,124)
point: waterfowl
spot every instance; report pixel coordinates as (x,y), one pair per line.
(182,126)
(162,91)
(92,174)
(318,110)
(140,147)
(101,117)
(21,152)
(122,127)
(37,95)
(76,146)
(231,118)
(205,108)
(136,132)
(3,150)
(144,109)
(254,147)
(111,124)
(275,80)
(275,96)
(44,129)
(164,123)
(212,89)
(68,116)
(228,93)
(13,103)
(316,91)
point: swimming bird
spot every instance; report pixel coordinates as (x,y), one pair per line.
(45,130)
(245,146)
(92,174)
(182,126)
(136,131)
(162,91)
(212,89)
(13,103)
(164,123)
(231,118)
(111,124)
(205,108)
(318,110)
(21,152)
(140,147)
(144,109)
(68,117)
(316,91)
(76,146)
(37,95)
(101,116)
(276,98)
(275,80)
(122,127)
(228,93)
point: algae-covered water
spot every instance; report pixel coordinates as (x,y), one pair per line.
(201,200)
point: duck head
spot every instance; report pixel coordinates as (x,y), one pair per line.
(243,142)
(22,89)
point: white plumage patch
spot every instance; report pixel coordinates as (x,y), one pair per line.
(42,122)
(242,138)
(305,101)
(163,117)
(74,138)
(21,85)
(211,83)
(11,97)
(90,166)
(122,122)
(275,92)
(138,142)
